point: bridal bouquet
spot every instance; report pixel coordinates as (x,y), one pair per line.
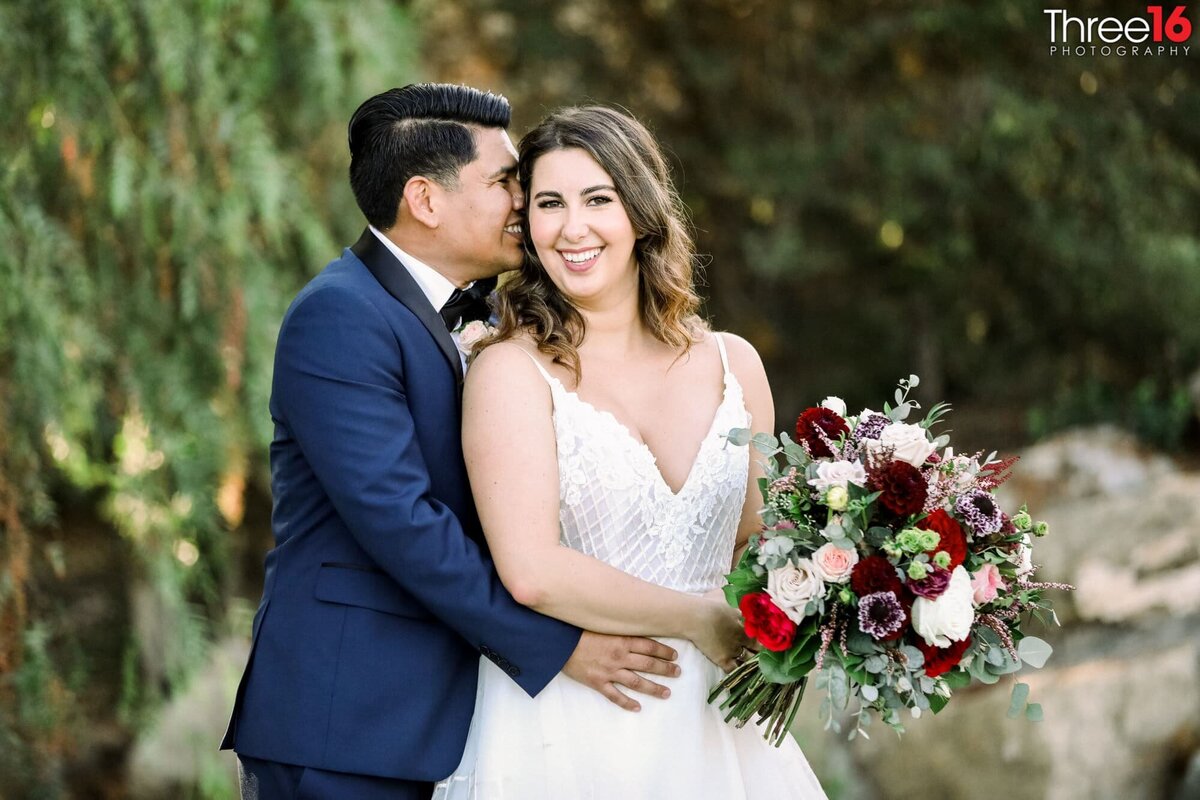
(886,572)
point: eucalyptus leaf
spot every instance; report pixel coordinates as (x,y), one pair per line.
(869,693)
(1020,695)
(980,672)
(765,443)
(795,454)
(957,679)
(739,437)
(861,643)
(1034,652)
(839,687)
(916,659)
(1033,712)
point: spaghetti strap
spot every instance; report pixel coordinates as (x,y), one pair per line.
(549,378)
(721,347)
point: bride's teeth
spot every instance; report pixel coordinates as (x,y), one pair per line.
(579,258)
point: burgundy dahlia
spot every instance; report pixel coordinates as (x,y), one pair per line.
(881,615)
(902,486)
(818,428)
(875,574)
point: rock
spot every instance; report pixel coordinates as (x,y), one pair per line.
(179,751)
(1110,723)
(1103,460)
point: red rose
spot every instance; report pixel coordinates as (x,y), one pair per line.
(902,486)
(953,540)
(942,659)
(875,574)
(817,421)
(766,622)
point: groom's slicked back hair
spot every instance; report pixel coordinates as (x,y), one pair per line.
(420,129)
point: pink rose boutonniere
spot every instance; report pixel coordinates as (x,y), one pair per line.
(471,334)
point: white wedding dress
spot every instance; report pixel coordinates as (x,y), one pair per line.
(569,742)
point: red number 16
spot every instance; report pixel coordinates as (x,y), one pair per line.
(1178,27)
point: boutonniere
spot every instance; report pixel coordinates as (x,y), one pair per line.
(471,334)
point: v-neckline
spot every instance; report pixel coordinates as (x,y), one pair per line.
(727,378)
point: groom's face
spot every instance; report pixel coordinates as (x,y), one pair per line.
(483,215)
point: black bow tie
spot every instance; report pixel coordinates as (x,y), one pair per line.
(468,304)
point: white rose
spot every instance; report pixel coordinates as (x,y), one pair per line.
(835,404)
(838,473)
(948,618)
(910,443)
(834,564)
(793,585)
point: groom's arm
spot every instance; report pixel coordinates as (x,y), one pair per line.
(340,391)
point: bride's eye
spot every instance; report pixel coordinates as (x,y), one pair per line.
(549,204)
(599,200)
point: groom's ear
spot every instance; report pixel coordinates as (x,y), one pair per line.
(419,196)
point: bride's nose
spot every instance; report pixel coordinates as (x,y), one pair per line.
(574,227)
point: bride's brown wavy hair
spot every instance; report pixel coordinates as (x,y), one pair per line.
(529,302)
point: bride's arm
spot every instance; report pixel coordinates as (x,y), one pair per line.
(511,455)
(748,367)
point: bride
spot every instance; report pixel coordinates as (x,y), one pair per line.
(593,425)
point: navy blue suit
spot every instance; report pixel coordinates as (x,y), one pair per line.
(379,594)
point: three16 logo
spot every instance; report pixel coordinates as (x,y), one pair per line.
(1162,31)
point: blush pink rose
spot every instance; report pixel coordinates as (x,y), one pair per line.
(986,584)
(834,564)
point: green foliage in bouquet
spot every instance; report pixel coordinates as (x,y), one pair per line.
(885,573)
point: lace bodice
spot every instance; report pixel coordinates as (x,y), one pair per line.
(615,505)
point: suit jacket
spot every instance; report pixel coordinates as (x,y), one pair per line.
(380,594)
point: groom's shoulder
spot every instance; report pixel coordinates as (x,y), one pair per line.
(344,283)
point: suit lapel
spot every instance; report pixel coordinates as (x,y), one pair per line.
(393,276)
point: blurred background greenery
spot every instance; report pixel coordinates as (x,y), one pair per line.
(879,190)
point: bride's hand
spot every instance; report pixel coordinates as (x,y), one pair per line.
(718,632)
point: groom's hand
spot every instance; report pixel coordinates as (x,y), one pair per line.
(605,662)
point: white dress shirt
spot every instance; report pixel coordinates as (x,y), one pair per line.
(436,287)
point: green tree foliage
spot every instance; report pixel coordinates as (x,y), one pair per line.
(888,188)
(172,173)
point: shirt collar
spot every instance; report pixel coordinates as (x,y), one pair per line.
(436,287)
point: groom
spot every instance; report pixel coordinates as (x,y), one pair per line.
(380,594)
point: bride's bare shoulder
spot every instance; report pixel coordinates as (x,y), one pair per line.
(748,368)
(743,357)
(510,363)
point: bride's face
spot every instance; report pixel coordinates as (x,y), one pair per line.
(579,227)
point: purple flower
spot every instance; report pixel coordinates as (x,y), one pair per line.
(880,614)
(980,511)
(870,428)
(932,585)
